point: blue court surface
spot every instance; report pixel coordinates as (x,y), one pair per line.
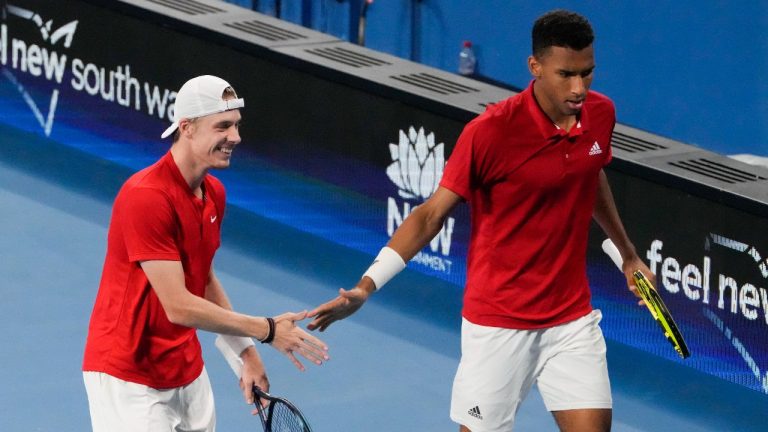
(392,364)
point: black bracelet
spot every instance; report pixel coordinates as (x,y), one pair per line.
(271,334)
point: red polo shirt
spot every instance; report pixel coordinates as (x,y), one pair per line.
(155,217)
(531,188)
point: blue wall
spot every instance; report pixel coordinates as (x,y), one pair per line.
(692,71)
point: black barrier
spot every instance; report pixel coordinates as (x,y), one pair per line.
(711,266)
(342,143)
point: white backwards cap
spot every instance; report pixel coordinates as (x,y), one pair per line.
(199,97)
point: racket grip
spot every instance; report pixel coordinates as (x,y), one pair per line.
(610,249)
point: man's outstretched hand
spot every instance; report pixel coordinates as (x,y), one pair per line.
(347,303)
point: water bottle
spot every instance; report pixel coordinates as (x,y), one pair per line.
(467,59)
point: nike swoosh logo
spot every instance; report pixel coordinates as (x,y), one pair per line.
(213,219)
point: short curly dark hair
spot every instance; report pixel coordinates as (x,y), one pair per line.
(561,28)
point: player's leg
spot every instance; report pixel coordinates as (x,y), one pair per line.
(583,420)
(121,406)
(198,413)
(577,420)
(98,403)
(497,369)
(574,381)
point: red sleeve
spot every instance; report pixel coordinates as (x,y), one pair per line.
(607,116)
(149,226)
(609,155)
(458,172)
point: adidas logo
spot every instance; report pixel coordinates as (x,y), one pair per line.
(595,150)
(475,412)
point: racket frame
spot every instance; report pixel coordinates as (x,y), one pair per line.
(265,414)
(661,313)
(652,301)
(236,364)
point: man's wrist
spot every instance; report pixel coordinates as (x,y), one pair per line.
(387,264)
(366,284)
(271,327)
(249,353)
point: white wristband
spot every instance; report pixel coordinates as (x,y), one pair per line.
(386,266)
(238,344)
(233,359)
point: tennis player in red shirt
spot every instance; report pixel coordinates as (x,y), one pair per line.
(143,365)
(531,169)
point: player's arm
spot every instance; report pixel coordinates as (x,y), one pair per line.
(186,309)
(421,226)
(607,216)
(254,372)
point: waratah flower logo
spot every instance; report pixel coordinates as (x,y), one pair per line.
(417,164)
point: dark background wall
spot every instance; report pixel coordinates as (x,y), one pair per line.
(692,71)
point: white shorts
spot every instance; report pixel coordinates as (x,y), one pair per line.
(498,367)
(122,406)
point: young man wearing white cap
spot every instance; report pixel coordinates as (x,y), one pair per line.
(143,366)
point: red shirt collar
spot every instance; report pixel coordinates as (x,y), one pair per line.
(178,177)
(547,127)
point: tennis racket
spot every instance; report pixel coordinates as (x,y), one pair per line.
(279,414)
(653,301)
